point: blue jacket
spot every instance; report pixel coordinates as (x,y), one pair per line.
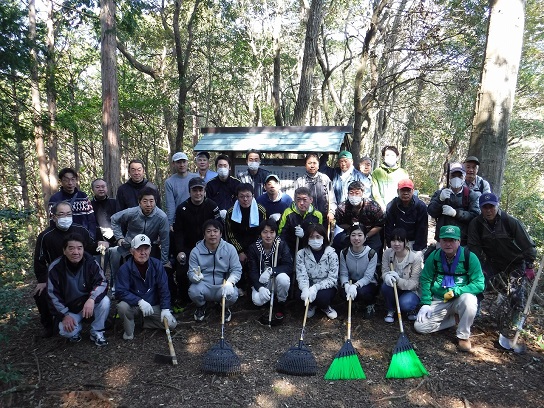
(130,287)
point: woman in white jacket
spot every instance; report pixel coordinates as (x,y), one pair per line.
(317,271)
(403,265)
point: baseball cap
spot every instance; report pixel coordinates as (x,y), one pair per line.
(197,182)
(406,183)
(472,159)
(139,240)
(203,154)
(457,167)
(488,198)
(450,231)
(344,154)
(271,176)
(179,156)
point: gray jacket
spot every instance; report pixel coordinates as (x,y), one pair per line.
(215,266)
(322,274)
(357,267)
(134,222)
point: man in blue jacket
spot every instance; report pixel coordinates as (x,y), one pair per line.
(142,287)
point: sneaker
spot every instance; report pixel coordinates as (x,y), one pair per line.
(228,315)
(200,313)
(389,317)
(311,311)
(279,316)
(330,312)
(464,345)
(99,339)
(369,312)
(75,339)
(412,315)
(128,336)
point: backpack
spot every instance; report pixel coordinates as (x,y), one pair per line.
(370,255)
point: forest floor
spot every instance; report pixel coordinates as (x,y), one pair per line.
(55,373)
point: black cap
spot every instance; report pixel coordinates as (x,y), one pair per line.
(197,182)
(472,159)
(203,154)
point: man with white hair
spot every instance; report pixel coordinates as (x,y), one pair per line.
(455,204)
(472,180)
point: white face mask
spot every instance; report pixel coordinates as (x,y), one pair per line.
(253,166)
(456,182)
(64,223)
(223,172)
(390,162)
(355,200)
(315,243)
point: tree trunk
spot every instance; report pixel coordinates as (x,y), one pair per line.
(51,92)
(110,97)
(276,97)
(21,151)
(315,18)
(37,111)
(493,109)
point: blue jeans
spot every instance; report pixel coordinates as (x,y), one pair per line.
(408,300)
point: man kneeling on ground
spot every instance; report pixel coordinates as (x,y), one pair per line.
(142,286)
(449,284)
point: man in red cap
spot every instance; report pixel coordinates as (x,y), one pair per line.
(407,211)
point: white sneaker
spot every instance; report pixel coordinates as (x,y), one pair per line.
(390,317)
(330,312)
(128,337)
(311,311)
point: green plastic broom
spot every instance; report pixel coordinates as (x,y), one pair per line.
(346,365)
(405,363)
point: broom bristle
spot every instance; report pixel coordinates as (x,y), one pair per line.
(221,360)
(298,360)
(405,363)
(346,365)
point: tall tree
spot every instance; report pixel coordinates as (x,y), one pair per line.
(489,136)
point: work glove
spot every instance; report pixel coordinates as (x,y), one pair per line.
(351,291)
(197,276)
(101,249)
(448,210)
(305,294)
(390,277)
(223,213)
(530,273)
(227,289)
(424,312)
(445,194)
(265,276)
(276,217)
(106,232)
(449,295)
(264,293)
(169,317)
(312,293)
(299,232)
(145,307)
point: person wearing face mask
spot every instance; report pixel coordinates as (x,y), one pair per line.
(358,271)
(365,211)
(454,205)
(48,248)
(254,175)
(222,189)
(317,271)
(386,177)
(401,265)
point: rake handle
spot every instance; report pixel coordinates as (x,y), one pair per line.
(274,264)
(349,316)
(170,344)
(398,306)
(304,321)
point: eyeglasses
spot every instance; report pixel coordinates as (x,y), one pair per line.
(245,197)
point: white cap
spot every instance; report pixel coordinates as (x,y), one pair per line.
(179,156)
(139,240)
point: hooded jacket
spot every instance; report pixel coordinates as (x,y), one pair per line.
(359,268)
(215,266)
(385,181)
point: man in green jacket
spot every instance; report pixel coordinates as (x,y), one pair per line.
(450,281)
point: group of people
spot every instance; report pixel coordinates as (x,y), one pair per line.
(224,236)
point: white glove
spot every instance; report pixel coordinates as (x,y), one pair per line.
(299,232)
(265,276)
(305,294)
(264,293)
(448,210)
(145,307)
(351,291)
(227,289)
(106,232)
(424,312)
(276,216)
(312,293)
(445,194)
(223,213)
(197,275)
(101,249)
(169,317)
(390,277)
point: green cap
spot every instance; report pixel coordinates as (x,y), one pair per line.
(344,154)
(450,231)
